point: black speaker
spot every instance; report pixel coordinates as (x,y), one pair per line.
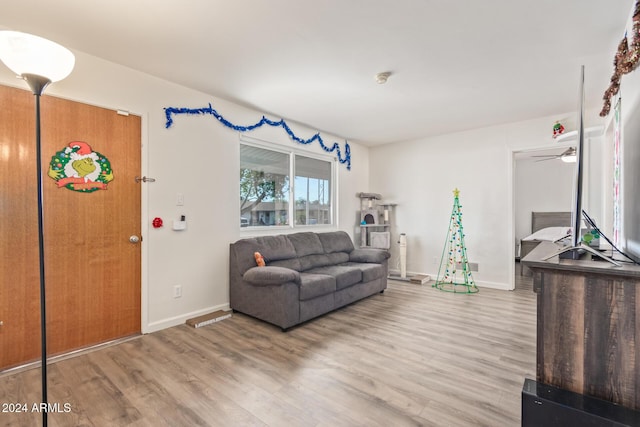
(544,405)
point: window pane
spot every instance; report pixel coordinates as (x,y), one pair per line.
(312,191)
(264,187)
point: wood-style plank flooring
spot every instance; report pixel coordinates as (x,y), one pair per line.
(413,356)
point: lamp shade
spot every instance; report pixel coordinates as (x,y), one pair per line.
(28,54)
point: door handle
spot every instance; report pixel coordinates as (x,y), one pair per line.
(135,239)
(144,179)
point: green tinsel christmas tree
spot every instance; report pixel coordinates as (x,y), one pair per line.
(457,274)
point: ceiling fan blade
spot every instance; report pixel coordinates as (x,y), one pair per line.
(571,151)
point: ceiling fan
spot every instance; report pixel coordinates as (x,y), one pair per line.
(567,156)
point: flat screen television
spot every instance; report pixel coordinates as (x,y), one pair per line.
(577,248)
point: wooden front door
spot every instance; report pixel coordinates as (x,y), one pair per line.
(92,269)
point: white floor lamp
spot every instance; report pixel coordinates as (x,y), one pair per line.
(39,62)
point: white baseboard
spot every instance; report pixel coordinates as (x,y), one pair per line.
(393,272)
(181,319)
(479,283)
(493,285)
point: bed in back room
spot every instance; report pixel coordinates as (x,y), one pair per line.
(545,226)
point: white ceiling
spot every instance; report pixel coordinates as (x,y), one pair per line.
(455,65)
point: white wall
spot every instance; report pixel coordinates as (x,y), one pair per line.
(630,180)
(420,176)
(630,159)
(199,158)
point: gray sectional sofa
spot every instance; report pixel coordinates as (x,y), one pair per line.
(306,275)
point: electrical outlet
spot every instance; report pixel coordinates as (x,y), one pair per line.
(177,291)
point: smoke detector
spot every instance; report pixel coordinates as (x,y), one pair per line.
(381,78)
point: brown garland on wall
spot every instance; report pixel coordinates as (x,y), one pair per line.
(626,60)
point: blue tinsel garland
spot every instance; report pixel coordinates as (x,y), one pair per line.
(170,111)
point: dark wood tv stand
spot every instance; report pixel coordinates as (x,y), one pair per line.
(588,326)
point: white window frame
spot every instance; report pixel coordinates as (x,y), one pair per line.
(292,153)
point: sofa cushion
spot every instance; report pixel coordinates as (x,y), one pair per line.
(312,261)
(315,285)
(292,263)
(242,251)
(336,241)
(274,248)
(338,258)
(264,276)
(345,275)
(369,271)
(369,255)
(306,243)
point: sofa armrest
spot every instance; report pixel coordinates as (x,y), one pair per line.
(269,275)
(375,256)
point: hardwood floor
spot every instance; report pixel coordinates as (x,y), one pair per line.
(411,356)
